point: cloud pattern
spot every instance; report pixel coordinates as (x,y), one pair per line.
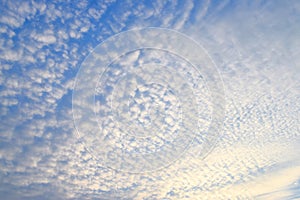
(255,46)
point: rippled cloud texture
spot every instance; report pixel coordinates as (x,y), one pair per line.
(255,46)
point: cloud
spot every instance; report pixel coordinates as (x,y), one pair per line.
(45,38)
(42,46)
(188,6)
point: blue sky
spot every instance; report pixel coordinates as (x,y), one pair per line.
(255,48)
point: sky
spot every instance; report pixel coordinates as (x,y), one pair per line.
(149,99)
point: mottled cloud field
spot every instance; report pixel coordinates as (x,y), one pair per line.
(255,47)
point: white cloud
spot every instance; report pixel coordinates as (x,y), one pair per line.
(188,6)
(12,21)
(12,54)
(48,39)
